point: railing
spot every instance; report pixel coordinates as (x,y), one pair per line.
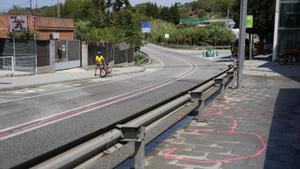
(6,66)
(12,66)
(136,130)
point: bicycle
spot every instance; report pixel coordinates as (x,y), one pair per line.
(105,71)
(286,59)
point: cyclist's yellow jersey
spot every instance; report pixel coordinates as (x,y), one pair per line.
(99,59)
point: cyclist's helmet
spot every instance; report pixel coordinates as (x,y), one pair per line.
(99,52)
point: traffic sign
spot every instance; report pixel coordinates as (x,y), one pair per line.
(249,21)
(193,21)
(167,36)
(146,27)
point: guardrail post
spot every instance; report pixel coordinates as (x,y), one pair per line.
(230,76)
(199,95)
(135,134)
(234,82)
(220,83)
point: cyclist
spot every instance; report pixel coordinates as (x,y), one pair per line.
(100,62)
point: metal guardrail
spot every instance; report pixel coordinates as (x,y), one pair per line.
(144,60)
(134,130)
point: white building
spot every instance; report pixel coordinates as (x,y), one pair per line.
(287,28)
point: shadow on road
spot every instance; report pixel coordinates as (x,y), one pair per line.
(4,83)
(283,147)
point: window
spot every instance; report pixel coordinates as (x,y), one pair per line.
(290,15)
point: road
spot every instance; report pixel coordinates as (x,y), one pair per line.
(36,121)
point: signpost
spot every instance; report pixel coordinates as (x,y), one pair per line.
(146,28)
(249,25)
(167,36)
(241,54)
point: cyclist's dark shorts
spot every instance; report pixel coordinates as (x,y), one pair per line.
(100,65)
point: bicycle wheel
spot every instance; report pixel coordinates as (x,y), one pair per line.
(109,72)
(102,73)
(281,61)
(291,59)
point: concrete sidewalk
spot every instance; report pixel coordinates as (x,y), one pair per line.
(19,82)
(262,66)
(255,127)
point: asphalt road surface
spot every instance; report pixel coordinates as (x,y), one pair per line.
(36,121)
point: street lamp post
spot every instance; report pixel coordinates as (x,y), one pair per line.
(242,35)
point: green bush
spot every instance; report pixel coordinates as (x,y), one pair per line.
(138,57)
(214,34)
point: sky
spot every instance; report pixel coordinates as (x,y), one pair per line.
(7,4)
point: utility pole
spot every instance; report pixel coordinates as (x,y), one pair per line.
(31,5)
(276,25)
(36,7)
(241,54)
(58,9)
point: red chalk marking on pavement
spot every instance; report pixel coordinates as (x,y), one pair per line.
(232,131)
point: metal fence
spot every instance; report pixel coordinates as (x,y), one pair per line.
(19,65)
(6,68)
(67,54)
(17,57)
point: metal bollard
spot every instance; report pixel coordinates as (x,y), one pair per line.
(135,134)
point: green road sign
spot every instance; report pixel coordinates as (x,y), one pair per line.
(192,20)
(249,23)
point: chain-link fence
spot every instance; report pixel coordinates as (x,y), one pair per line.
(17,57)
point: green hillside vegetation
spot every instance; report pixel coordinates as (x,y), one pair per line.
(102,21)
(214,34)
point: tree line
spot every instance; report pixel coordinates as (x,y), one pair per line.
(215,34)
(107,20)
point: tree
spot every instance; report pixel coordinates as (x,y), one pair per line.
(219,35)
(174,13)
(119,4)
(165,14)
(201,13)
(224,5)
(47,11)
(19,10)
(263,17)
(152,10)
